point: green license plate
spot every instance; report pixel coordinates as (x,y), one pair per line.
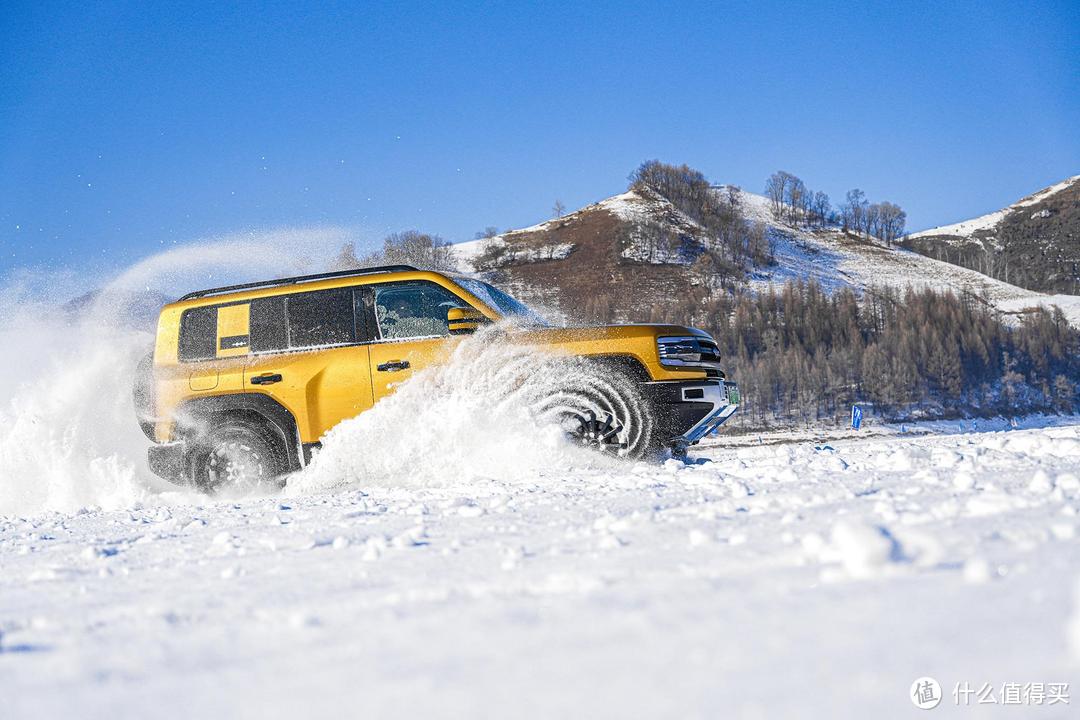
(733,394)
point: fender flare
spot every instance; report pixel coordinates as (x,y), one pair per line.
(629,364)
(194,415)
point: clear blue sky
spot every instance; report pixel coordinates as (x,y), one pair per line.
(127,125)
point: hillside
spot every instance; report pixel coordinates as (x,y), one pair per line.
(567,264)
(836,259)
(1033,243)
(597,258)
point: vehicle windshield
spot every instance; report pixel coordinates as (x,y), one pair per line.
(502,302)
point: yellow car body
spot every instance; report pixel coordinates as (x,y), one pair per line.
(227,351)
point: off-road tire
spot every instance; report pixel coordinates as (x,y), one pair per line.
(603,407)
(142,395)
(238,457)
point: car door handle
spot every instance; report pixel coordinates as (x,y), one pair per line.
(393,366)
(266,379)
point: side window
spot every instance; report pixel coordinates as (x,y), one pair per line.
(413,309)
(269,329)
(320,318)
(198,334)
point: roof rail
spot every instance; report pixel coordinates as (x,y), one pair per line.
(297,279)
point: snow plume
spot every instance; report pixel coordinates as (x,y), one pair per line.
(68,434)
(490,413)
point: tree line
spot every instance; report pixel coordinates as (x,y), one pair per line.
(802,355)
(408,247)
(733,241)
(796,205)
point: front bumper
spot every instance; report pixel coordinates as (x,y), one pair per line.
(689,410)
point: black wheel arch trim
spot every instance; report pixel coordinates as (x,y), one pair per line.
(194,414)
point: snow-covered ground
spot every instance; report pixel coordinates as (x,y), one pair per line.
(446,557)
(786,580)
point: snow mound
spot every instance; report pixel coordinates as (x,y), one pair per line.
(864,550)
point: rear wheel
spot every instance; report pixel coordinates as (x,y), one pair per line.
(142,395)
(237,458)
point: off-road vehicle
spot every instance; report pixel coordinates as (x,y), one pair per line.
(245,380)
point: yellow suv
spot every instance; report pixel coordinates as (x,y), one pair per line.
(245,380)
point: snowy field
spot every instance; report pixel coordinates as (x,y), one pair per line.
(445,557)
(787,580)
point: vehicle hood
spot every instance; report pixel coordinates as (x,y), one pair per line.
(604,332)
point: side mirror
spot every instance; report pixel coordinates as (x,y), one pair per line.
(462,321)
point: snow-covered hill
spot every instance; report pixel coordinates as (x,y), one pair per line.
(989,222)
(538,258)
(598,254)
(836,259)
(528,245)
(1033,243)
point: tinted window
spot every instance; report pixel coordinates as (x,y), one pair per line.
(269,331)
(198,334)
(321,318)
(413,309)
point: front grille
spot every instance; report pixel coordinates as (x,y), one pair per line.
(709,351)
(691,351)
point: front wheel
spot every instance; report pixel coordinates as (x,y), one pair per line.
(603,408)
(237,458)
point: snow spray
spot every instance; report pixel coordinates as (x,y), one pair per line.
(68,434)
(69,438)
(490,413)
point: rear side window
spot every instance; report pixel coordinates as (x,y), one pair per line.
(198,334)
(321,318)
(273,324)
(269,329)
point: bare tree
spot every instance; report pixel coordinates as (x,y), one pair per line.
(429,252)
(489,232)
(796,199)
(558,209)
(854,210)
(891,220)
(775,190)
(821,208)
(778,189)
(871,217)
(685,187)
(734,199)
(346,258)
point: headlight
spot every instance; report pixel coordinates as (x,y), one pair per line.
(687,350)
